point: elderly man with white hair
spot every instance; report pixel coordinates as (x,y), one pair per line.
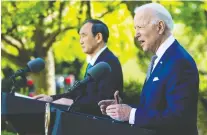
(168,102)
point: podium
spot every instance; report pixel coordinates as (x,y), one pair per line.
(27,117)
(83,124)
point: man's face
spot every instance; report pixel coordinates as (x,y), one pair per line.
(146,32)
(88,42)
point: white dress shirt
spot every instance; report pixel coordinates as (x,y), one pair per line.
(161,50)
(93,60)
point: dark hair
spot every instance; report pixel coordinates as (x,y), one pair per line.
(99,27)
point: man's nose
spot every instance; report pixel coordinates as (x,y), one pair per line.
(81,41)
(137,35)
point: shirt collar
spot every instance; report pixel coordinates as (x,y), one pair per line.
(93,60)
(164,46)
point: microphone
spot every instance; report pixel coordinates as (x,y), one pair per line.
(95,73)
(35,66)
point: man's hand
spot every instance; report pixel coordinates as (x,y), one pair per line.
(43,97)
(63,101)
(119,112)
(105,103)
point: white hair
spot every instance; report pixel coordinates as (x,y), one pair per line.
(160,11)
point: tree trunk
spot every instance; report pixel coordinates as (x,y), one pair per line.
(45,80)
(50,72)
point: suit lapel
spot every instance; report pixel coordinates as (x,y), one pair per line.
(162,62)
(102,56)
(170,52)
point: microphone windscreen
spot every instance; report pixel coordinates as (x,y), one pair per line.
(99,70)
(36,65)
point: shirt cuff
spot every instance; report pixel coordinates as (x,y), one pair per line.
(132,116)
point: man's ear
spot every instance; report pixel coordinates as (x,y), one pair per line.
(99,37)
(161,26)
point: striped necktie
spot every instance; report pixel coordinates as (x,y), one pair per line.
(151,66)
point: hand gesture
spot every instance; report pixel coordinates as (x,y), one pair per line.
(105,103)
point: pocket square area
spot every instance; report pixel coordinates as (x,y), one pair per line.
(155,79)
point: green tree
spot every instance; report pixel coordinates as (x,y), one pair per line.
(29,30)
(49,29)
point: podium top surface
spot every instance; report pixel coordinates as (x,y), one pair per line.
(11,104)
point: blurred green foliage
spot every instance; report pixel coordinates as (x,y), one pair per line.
(24,16)
(31,28)
(7,133)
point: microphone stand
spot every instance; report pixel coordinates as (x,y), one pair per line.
(14,87)
(14,84)
(76,85)
(70,108)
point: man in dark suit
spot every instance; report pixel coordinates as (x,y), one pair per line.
(93,38)
(169,96)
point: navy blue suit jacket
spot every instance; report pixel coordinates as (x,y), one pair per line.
(94,92)
(169,105)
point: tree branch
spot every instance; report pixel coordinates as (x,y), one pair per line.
(18,39)
(88,12)
(14,26)
(131,5)
(60,14)
(12,58)
(80,12)
(202,72)
(12,43)
(205,12)
(110,10)
(102,15)
(52,38)
(9,32)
